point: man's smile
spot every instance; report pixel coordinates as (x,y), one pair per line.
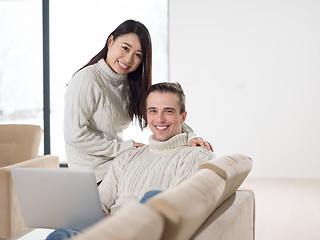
(163,127)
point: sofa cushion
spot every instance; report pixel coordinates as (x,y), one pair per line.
(133,221)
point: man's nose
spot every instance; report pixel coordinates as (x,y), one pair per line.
(161,117)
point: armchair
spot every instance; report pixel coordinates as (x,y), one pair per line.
(19,146)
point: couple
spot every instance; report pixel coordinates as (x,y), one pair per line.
(104,96)
(139,173)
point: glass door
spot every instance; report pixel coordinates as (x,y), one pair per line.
(21,80)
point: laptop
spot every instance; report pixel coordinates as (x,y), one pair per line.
(57,198)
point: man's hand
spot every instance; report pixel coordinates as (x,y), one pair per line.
(200,142)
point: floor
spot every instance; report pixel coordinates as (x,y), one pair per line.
(37,234)
(285,209)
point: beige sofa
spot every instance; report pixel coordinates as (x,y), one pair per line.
(207,206)
(19,146)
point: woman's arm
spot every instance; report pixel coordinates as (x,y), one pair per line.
(82,98)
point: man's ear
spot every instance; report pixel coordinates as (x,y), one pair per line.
(110,41)
(184,116)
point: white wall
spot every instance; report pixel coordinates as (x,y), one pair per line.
(251,73)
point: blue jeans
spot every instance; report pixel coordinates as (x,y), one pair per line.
(62,234)
(149,194)
(67,233)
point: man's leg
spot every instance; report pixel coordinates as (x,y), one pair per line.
(149,194)
(62,234)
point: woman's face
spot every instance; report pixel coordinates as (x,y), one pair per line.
(124,54)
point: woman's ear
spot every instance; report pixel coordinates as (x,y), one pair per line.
(110,41)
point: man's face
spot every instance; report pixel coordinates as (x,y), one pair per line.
(163,115)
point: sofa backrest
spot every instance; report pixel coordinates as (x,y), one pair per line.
(18,142)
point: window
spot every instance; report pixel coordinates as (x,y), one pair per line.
(78,30)
(21,94)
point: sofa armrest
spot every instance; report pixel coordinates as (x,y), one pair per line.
(44,161)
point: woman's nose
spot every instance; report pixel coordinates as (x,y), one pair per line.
(128,57)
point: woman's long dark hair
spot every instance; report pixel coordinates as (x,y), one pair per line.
(139,81)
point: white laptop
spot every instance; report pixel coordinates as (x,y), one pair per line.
(57,198)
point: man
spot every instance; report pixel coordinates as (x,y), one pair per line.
(164,163)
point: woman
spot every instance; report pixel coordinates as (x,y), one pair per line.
(105,95)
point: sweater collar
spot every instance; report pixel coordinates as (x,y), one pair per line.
(109,74)
(174,142)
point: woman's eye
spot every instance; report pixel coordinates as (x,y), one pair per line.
(139,55)
(125,48)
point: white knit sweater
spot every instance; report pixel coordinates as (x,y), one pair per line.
(157,166)
(95,117)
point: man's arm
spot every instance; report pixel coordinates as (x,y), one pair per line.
(189,164)
(108,188)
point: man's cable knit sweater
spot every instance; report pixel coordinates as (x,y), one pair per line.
(157,166)
(95,117)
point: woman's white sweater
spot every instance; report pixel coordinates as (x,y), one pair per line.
(95,116)
(157,166)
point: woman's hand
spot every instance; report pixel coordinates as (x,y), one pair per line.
(200,142)
(137,144)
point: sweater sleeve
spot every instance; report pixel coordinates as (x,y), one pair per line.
(82,98)
(108,188)
(189,164)
(188,130)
